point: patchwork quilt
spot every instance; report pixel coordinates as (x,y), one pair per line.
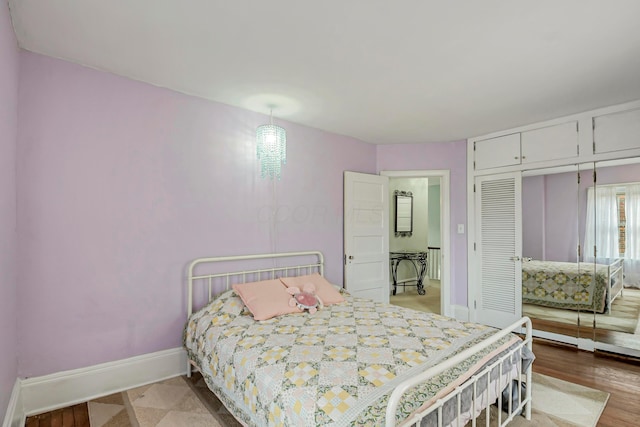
(566,285)
(336,367)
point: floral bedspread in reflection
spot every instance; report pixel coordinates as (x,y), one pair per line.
(566,285)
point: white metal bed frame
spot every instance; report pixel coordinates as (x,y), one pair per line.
(224,280)
(254,274)
(614,287)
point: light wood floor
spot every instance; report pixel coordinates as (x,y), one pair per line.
(409,298)
(626,306)
(616,338)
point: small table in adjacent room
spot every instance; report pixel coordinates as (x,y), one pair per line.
(419,261)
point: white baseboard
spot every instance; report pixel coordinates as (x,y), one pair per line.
(15,417)
(62,389)
(555,337)
(586,344)
(461,312)
(616,349)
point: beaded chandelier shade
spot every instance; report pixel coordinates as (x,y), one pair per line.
(271,149)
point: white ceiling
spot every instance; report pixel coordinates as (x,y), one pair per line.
(404,71)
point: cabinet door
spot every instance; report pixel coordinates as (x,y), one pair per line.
(550,143)
(615,132)
(497,152)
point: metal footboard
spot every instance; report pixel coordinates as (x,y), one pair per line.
(480,401)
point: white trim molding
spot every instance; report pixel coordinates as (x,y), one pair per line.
(586,344)
(555,337)
(14,417)
(616,349)
(461,312)
(62,389)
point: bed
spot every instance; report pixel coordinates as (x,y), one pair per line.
(354,362)
(572,286)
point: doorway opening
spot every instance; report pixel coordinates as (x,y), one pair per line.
(419,259)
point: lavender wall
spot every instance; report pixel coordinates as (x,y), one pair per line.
(549,217)
(615,175)
(8,240)
(452,156)
(533,209)
(121,183)
(561,213)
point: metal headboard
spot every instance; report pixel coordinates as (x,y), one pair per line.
(292,266)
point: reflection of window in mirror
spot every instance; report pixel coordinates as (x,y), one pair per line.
(622,224)
(404,213)
(613,209)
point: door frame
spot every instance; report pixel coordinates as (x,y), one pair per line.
(445,228)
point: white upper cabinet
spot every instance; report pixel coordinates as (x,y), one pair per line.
(550,143)
(538,145)
(616,131)
(497,152)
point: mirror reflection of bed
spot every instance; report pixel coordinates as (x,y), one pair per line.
(572,293)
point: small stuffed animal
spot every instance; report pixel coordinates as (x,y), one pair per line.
(305,299)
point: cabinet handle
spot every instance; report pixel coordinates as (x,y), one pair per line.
(516,157)
(515,258)
(524,157)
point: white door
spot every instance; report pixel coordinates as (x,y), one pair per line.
(498,265)
(366,235)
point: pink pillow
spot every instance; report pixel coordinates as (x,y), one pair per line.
(265,299)
(325,290)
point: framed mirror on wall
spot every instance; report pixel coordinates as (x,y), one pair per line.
(404,213)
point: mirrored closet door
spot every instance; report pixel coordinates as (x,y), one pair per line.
(549,250)
(614,204)
(581,253)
